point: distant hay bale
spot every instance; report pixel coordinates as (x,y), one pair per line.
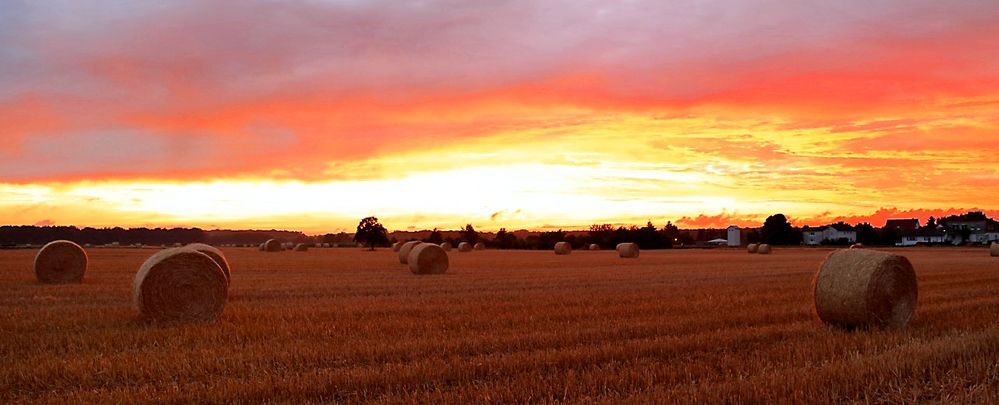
(763,249)
(60,262)
(216,255)
(262,247)
(857,246)
(180,284)
(865,288)
(301,247)
(628,250)
(563,248)
(464,247)
(480,246)
(405,249)
(594,246)
(396,246)
(446,246)
(752,248)
(273,245)
(995,250)
(427,258)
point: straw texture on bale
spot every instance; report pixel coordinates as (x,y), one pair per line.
(480,246)
(752,248)
(995,250)
(216,255)
(857,246)
(181,285)
(60,262)
(396,246)
(272,245)
(428,258)
(594,246)
(865,288)
(763,249)
(627,250)
(563,248)
(464,247)
(446,246)
(405,249)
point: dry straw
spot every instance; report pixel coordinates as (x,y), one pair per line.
(180,284)
(405,249)
(464,247)
(301,247)
(480,246)
(995,250)
(216,255)
(763,249)
(563,248)
(272,245)
(427,258)
(396,246)
(60,262)
(864,288)
(594,246)
(446,246)
(752,248)
(627,250)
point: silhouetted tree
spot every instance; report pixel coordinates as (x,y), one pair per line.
(777,231)
(435,237)
(468,234)
(371,233)
(867,235)
(505,240)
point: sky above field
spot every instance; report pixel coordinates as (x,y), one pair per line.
(521,114)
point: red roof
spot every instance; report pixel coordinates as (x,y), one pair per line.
(908,224)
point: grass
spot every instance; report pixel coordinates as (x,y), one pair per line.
(501,326)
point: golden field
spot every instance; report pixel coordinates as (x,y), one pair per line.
(346,325)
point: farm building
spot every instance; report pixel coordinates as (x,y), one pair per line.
(834,233)
(734,236)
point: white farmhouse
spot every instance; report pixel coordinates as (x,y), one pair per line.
(839,232)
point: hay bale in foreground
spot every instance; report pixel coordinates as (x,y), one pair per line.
(752,248)
(301,247)
(464,247)
(60,262)
(763,249)
(628,250)
(428,258)
(396,246)
(180,284)
(405,249)
(857,246)
(995,250)
(216,255)
(480,246)
(594,246)
(446,246)
(563,248)
(865,288)
(273,245)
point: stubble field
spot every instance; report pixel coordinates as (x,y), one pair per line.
(348,325)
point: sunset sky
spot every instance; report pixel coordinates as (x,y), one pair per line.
(521,114)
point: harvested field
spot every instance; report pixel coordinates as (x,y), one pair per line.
(501,326)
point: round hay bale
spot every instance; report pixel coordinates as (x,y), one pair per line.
(763,249)
(446,246)
(464,247)
(628,250)
(180,284)
(396,246)
(405,249)
(865,288)
(995,250)
(427,258)
(301,247)
(262,247)
(752,248)
(563,248)
(273,245)
(594,246)
(216,255)
(857,246)
(60,262)
(480,246)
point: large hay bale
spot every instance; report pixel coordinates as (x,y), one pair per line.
(594,246)
(396,246)
(427,258)
(857,246)
(480,246)
(628,250)
(995,250)
(446,246)
(60,262)
(216,255)
(301,247)
(273,245)
(464,247)
(180,284)
(563,248)
(405,249)
(865,288)
(763,249)
(752,248)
